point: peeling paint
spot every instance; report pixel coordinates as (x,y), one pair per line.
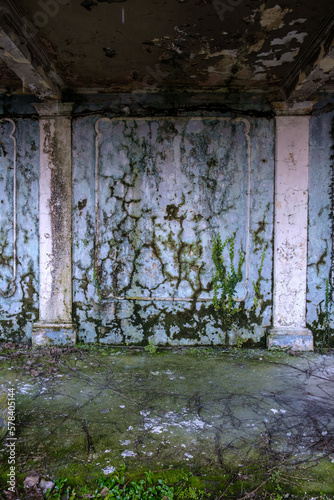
(18,312)
(297,21)
(319,234)
(162,186)
(292,35)
(272,19)
(229,53)
(327,64)
(166,186)
(176,41)
(284,58)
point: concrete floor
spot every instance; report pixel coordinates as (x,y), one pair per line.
(242,414)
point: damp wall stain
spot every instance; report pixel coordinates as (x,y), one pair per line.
(149,195)
(166,187)
(320,224)
(19,298)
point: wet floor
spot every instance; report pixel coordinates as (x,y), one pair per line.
(81,413)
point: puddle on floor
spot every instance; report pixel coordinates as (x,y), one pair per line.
(92,411)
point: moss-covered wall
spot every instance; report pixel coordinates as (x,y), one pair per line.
(320,316)
(19,160)
(149,195)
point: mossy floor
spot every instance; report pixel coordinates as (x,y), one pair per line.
(234,418)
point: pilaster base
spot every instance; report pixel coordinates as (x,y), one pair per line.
(297,339)
(46,334)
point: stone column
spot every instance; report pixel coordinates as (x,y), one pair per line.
(55,232)
(291,224)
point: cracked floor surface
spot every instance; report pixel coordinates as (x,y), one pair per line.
(84,411)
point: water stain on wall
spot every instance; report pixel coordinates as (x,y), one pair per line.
(162,189)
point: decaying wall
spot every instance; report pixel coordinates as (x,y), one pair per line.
(149,196)
(320,224)
(18,227)
(149,193)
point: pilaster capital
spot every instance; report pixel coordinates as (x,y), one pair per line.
(53,108)
(286,108)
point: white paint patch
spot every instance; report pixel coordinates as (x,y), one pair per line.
(171,419)
(271,52)
(109,470)
(297,21)
(287,57)
(194,424)
(292,35)
(26,389)
(125,443)
(158,429)
(229,53)
(128,453)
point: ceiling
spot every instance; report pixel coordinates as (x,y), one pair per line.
(282,48)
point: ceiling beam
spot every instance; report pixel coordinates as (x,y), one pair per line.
(24,55)
(315,52)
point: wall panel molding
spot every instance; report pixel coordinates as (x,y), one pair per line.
(99,133)
(11,289)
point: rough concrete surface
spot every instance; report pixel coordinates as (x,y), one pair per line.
(242,414)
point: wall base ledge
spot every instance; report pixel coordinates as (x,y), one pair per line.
(297,339)
(47,334)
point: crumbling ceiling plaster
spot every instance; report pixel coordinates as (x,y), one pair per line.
(94,46)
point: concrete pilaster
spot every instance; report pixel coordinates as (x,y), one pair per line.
(290,245)
(55,324)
